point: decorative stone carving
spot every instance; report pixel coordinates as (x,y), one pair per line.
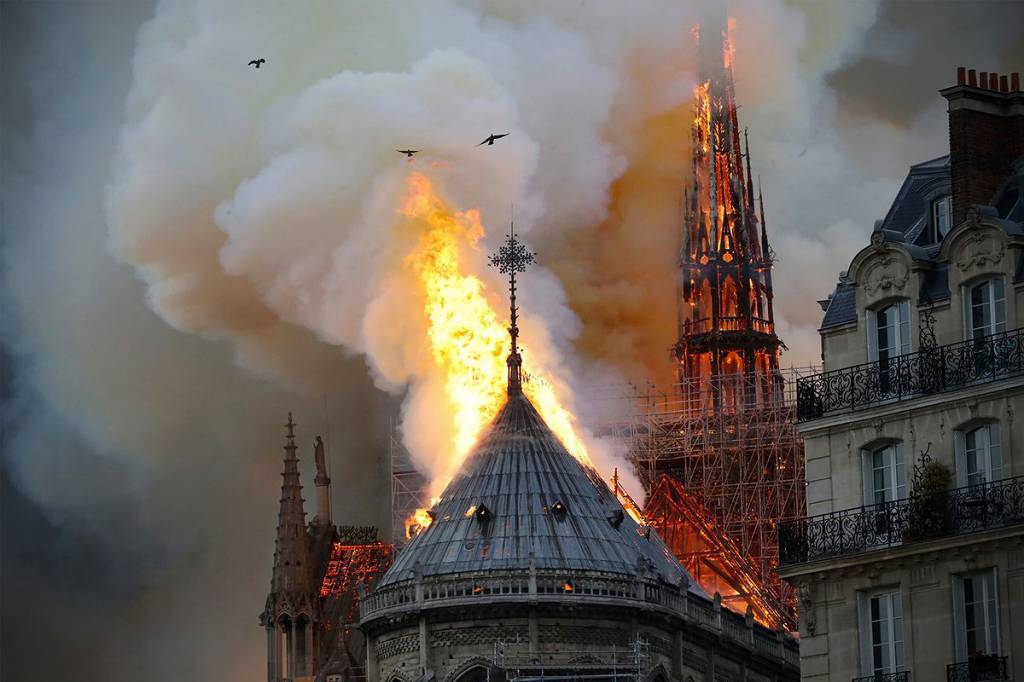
(979,249)
(807,607)
(886,274)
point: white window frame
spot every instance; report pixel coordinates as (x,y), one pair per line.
(944,202)
(892,644)
(989,612)
(901,326)
(896,483)
(987,454)
(996,306)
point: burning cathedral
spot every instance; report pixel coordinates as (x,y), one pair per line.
(530,567)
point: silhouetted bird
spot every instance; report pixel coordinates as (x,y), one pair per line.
(257,62)
(490,140)
(407,152)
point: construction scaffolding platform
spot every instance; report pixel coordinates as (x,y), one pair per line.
(722,464)
(409,488)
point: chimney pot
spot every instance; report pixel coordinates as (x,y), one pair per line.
(961,75)
(993,81)
(972,78)
(1004,85)
(983,80)
(1015,82)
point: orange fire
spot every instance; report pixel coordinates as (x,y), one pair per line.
(467,337)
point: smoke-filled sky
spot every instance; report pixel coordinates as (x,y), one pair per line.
(191,248)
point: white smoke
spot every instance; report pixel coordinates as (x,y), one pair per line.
(258,208)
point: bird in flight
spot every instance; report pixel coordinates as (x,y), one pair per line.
(407,152)
(490,140)
(257,62)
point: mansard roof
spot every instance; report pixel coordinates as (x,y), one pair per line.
(521,497)
(905,226)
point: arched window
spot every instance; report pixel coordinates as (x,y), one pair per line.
(984,308)
(885,476)
(888,331)
(474,674)
(979,458)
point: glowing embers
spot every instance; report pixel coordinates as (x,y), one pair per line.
(352,565)
(568,586)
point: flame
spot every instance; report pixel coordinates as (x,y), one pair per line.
(418,521)
(466,336)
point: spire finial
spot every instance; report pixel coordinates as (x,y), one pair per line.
(291,429)
(513,257)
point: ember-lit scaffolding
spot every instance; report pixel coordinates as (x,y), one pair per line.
(719,482)
(409,487)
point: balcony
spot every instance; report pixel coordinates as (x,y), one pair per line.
(978,669)
(934,370)
(891,524)
(885,677)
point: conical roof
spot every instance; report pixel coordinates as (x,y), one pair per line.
(521,493)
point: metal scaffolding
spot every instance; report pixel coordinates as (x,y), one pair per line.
(733,472)
(409,488)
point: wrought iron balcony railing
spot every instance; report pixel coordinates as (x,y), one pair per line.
(890,524)
(978,669)
(933,370)
(903,676)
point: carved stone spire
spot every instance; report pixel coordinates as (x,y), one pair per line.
(291,548)
(513,257)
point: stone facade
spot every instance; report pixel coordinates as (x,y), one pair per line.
(910,565)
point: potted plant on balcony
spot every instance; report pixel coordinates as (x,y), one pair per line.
(929,515)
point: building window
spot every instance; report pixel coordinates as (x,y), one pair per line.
(985,308)
(979,455)
(975,615)
(885,478)
(941,217)
(888,331)
(881,633)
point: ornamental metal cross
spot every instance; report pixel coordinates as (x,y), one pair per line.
(513,257)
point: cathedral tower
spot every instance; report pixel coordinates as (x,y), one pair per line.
(289,611)
(727,349)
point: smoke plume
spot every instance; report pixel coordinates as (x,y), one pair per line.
(192,248)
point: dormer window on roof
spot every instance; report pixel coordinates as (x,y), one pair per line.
(942,217)
(559,510)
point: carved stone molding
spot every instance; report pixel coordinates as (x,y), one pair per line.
(979,249)
(885,274)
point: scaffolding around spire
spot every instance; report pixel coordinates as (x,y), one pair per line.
(513,257)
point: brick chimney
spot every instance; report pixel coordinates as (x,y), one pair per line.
(986,134)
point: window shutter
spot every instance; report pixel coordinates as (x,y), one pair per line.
(901,474)
(960,461)
(866,474)
(904,321)
(998,306)
(864,633)
(995,452)
(965,295)
(871,324)
(959,621)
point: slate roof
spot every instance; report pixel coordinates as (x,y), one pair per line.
(520,472)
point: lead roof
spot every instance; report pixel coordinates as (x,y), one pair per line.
(519,471)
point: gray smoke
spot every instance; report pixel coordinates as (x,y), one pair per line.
(189,245)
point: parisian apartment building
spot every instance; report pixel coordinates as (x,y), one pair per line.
(910,563)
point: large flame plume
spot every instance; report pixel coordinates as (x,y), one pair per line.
(466,336)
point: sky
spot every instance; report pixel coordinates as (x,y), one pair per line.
(191,249)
